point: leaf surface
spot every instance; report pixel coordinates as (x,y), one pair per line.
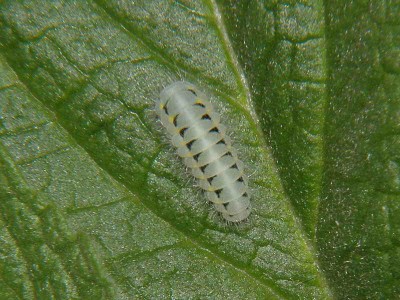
(95,203)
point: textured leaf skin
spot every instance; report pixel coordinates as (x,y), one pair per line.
(94,203)
(326,86)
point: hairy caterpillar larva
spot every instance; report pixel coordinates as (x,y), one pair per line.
(201,141)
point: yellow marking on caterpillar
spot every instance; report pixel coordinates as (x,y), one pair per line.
(199,101)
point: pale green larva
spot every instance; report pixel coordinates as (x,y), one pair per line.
(201,141)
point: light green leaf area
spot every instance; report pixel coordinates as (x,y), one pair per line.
(95,204)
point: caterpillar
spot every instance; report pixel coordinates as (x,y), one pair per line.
(200,139)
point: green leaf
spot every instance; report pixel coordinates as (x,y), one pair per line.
(94,202)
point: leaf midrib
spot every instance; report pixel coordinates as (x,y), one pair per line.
(253,119)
